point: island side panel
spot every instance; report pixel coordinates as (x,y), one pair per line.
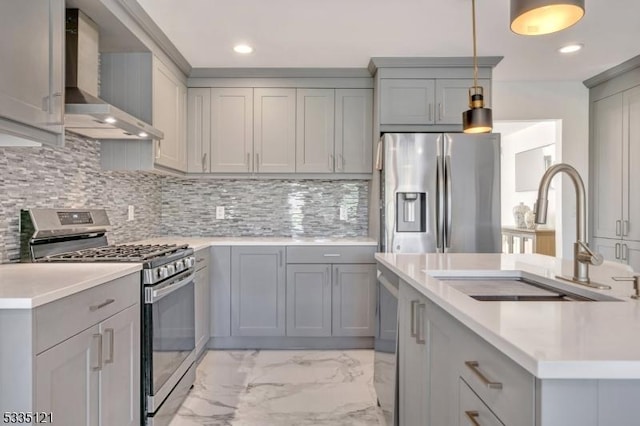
(16,360)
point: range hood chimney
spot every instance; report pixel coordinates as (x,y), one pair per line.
(85,113)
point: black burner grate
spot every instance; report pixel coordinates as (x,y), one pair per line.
(118,253)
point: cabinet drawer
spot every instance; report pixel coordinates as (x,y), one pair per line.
(202,258)
(330,254)
(59,320)
(505,387)
(471,409)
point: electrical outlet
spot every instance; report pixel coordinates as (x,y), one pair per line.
(130,213)
(220,212)
(343,213)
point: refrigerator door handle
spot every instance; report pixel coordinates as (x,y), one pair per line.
(439,202)
(447,177)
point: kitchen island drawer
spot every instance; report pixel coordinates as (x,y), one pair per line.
(331,254)
(63,318)
(505,387)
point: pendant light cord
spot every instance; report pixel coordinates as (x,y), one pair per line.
(475,55)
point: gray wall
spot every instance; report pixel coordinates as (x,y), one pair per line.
(264,207)
(71,177)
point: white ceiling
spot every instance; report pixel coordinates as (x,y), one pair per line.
(347,33)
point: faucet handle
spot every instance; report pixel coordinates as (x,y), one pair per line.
(590,256)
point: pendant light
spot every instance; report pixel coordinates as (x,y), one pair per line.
(536,17)
(478,119)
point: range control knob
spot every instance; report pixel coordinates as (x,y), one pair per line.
(171,269)
(180,266)
(189,261)
(163,272)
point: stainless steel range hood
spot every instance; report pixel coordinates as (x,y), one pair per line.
(85,113)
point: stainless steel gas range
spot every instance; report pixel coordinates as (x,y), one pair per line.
(166,291)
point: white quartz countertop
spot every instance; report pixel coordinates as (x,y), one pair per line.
(29,285)
(551,340)
(203,242)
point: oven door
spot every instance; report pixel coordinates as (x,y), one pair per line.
(169,336)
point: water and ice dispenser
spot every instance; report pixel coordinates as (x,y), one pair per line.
(411,212)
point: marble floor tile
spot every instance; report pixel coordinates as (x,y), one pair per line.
(281,388)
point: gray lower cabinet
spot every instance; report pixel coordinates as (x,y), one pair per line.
(92,377)
(258,291)
(354,300)
(32,82)
(202,301)
(309,300)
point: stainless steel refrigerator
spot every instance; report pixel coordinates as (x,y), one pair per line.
(440,193)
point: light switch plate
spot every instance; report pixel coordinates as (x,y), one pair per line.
(130,213)
(220,212)
(343,213)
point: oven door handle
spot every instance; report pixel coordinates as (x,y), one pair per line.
(152,296)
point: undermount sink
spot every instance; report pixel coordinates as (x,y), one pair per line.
(518,288)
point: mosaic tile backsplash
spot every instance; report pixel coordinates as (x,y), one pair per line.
(71,177)
(309,208)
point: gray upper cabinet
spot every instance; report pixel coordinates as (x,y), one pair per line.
(258,291)
(353,131)
(232,130)
(274,130)
(452,98)
(309,300)
(354,300)
(198,130)
(170,115)
(32,80)
(315,131)
(407,101)
(425,101)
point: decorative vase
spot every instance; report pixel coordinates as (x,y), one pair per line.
(518,214)
(530,219)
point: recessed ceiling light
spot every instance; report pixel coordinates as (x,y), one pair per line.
(570,48)
(143,134)
(242,48)
(110,120)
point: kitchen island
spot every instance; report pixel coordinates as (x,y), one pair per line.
(513,362)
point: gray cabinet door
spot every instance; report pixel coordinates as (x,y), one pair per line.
(202,310)
(198,130)
(354,131)
(120,375)
(169,115)
(257,291)
(315,131)
(407,101)
(631,156)
(309,300)
(232,130)
(354,300)
(67,380)
(32,80)
(220,277)
(607,166)
(631,254)
(452,98)
(413,383)
(274,130)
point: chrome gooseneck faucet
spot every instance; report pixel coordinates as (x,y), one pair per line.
(583,256)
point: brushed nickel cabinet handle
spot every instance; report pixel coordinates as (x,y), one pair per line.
(472,416)
(625,228)
(618,226)
(158,154)
(204,162)
(257,162)
(248,162)
(330,163)
(93,308)
(331,255)
(617,250)
(439,111)
(625,252)
(99,351)
(413,318)
(420,337)
(475,367)
(340,166)
(110,332)
(430,115)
